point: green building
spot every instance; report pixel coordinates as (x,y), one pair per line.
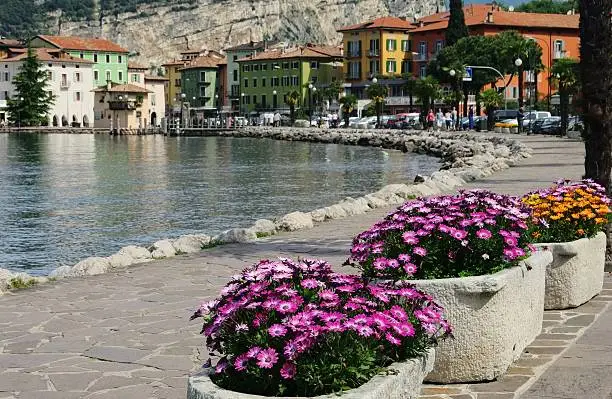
(267,77)
(202,79)
(110,60)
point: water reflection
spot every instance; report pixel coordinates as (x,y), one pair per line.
(66,197)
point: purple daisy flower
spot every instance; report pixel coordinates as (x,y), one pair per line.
(288,370)
(267,358)
(277,330)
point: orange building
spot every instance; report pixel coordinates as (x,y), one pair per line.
(557,34)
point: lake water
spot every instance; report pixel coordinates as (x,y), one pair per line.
(66,197)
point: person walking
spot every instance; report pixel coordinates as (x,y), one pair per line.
(471,117)
(454,118)
(277,119)
(520,116)
(448,120)
(439,119)
(430,120)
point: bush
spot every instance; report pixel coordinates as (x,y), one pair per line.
(473,233)
(568,211)
(296,328)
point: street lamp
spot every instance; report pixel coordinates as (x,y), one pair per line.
(217,108)
(374,80)
(518,62)
(274,100)
(242,101)
(19,113)
(458,87)
(183,95)
(310,87)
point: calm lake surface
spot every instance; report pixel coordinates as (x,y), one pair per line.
(66,197)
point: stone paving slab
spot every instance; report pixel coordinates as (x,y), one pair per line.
(126,334)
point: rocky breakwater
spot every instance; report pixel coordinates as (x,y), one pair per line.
(465,157)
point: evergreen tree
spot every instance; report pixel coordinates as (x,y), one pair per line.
(31,104)
(456,23)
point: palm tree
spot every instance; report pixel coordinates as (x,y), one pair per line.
(349,102)
(410,87)
(377,93)
(292,99)
(565,73)
(491,100)
(428,90)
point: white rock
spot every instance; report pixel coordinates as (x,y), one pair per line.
(301,123)
(187,244)
(295,221)
(163,249)
(375,202)
(61,272)
(120,260)
(335,211)
(264,226)
(203,239)
(91,266)
(235,235)
(139,254)
(318,215)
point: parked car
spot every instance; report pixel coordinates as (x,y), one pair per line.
(503,114)
(408,120)
(529,119)
(550,125)
(391,122)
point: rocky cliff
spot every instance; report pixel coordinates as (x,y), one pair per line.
(159,33)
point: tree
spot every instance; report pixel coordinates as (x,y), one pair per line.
(31,104)
(565,73)
(491,100)
(377,93)
(596,79)
(349,102)
(410,87)
(547,6)
(292,99)
(428,90)
(457,28)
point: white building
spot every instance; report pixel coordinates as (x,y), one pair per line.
(71,82)
(156,85)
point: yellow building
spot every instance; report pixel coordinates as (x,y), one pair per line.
(173,74)
(380,48)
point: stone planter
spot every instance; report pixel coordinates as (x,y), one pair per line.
(494,317)
(576,272)
(404,384)
(514,130)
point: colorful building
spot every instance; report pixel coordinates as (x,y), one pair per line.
(70,82)
(200,81)
(557,34)
(156,85)
(381,48)
(267,77)
(233,68)
(110,60)
(122,108)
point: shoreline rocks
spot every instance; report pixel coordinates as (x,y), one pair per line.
(465,157)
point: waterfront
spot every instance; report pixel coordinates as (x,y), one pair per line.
(67,197)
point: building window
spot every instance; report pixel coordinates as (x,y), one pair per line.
(254,82)
(235,57)
(134,77)
(256,67)
(275,81)
(120,59)
(295,81)
(391,44)
(285,65)
(275,65)
(285,81)
(407,45)
(177,82)
(246,83)
(263,101)
(77,77)
(64,81)
(374,67)
(295,65)
(202,76)
(120,76)
(202,91)
(439,46)
(235,75)
(374,47)
(422,51)
(77,96)
(107,58)
(7,77)
(108,76)
(254,99)
(406,67)
(264,67)
(6,95)
(81,55)
(559,49)
(50,75)
(391,68)
(354,70)
(263,82)
(246,68)
(423,71)
(514,92)
(96,75)
(95,57)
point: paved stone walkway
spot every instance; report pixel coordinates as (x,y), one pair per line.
(126,334)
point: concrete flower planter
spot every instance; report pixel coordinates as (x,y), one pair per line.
(576,272)
(494,317)
(404,384)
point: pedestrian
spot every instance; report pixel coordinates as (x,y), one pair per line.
(454,118)
(439,119)
(519,119)
(277,119)
(448,120)
(430,120)
(471,117)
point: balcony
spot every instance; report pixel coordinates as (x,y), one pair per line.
(558,54)
(420,57)
(353,54)
(64,85)
(122,105)
(353,76)
(235,91)
(204,83)
(374,53)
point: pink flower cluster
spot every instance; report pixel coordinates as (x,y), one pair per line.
(474,232)
(274,313)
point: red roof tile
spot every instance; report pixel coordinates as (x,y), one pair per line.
(133,65)
(124,88)
(47,55)
(307,51)
(204,61)
(83,43)
(476,14)
(393,23)
(153,77)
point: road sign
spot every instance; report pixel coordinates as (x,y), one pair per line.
(467,76)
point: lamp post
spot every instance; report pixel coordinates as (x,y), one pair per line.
(19,113)
(519,63)
(183,95)
(217,108)
(242,102)
(378,105)
(274,100)
(310,87)
(118,129)
(453,75)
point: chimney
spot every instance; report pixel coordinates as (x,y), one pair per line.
(489,19)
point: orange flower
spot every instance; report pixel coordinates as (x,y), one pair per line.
(580,232)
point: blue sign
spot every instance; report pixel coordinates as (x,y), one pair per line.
(467,75)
